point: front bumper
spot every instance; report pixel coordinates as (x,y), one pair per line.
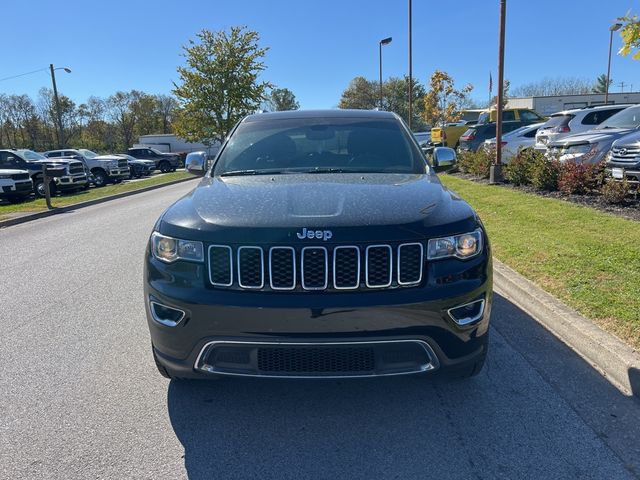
(18,188)
(119,173)
(256,320)
(630,171)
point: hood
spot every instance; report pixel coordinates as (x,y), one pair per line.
(631,139)
(55,163)
(357,207)
(108,158)
(591,136)
(146,163)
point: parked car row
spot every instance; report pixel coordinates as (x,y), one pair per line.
(608,133)
(21,170)
(469,135)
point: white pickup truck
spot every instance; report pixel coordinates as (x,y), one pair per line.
(15,185)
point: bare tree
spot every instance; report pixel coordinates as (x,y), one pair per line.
(120,112)
(549,86)
(167,106)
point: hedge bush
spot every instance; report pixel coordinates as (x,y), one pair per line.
(579,178)
(476,163)
(518,170)
(614,191)
(545,173)
(530,167)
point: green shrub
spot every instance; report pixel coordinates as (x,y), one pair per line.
(476,163)
(518,170)
(579,178)
(615,191)
(464,161)
(545,173)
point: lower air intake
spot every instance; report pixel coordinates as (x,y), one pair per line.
(326,360)
(342,359)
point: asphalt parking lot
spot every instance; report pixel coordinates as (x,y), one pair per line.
(80,396)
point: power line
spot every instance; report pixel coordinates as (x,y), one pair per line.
(23,74)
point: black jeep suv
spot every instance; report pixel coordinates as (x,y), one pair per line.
(320,244)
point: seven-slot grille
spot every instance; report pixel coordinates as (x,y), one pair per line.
(316,268)
(625,154)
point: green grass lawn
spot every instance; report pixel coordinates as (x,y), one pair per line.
(91,194)
(587,258)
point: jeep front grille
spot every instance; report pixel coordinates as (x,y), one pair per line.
(123,163)
(316,268)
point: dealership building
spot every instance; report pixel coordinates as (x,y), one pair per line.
(551,104)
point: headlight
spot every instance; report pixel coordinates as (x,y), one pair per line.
(462,246)
(168,249)
(5,177)
(581,149)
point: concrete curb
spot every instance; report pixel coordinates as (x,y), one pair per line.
(614,359)
(75,206)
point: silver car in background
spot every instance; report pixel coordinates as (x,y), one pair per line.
(569,122)
(515,141)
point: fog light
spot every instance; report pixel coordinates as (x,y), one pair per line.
(165,315)
(467,313)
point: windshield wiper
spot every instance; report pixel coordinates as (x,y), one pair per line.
(326,170)
(238,173)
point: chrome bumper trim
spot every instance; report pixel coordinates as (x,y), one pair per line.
(199,366)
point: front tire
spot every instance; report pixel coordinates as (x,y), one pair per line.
(99,178)
(39,189)
(165,167)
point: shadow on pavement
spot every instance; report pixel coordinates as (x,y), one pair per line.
(537,410)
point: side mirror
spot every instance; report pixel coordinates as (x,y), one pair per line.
(444,158)
(194,164)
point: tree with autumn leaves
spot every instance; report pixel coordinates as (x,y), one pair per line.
(443,103)
(630,34)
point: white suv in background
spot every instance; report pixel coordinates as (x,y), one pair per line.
(569,122)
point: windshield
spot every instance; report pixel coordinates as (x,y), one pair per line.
(628,118)
(87,153)
(31,155)
(320,145)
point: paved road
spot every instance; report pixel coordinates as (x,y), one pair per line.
(80,397)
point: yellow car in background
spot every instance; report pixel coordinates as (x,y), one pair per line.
(449,136)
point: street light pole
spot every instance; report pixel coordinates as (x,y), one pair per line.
(410,69)
(613,28)
(495,173)
(384,41)
(57,100)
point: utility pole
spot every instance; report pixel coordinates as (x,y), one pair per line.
(384,41)
(58,112)
(410,70)
(613,28)
(621,85)
(495,174)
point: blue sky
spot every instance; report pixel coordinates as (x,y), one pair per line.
(316,47)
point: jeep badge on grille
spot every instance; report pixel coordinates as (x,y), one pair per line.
(311,234)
